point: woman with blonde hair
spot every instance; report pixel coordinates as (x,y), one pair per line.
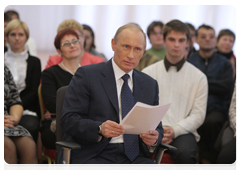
(26,71)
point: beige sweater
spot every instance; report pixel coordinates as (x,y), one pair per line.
(187,90)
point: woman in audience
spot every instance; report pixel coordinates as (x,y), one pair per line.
(18,143)
(89,45)
(225,42)
(68,46)
(26,71)
(85,57)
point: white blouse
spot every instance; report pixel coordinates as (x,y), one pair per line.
(17,64)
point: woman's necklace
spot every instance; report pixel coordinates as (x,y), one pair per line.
(67,68)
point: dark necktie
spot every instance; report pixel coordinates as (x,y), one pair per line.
(131,142)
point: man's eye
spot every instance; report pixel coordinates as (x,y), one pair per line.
(138,49)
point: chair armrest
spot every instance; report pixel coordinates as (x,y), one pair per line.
(69,145)
(160,151)
(166,147)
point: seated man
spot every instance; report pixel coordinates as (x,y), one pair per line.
(100,95)
(219,73)
(183,85)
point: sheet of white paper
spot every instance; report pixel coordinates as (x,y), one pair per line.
(143,117)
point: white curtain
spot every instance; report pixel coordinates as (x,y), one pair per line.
(43,20)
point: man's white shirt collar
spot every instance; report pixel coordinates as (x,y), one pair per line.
(118,72)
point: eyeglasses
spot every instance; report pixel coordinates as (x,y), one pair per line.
(68,44)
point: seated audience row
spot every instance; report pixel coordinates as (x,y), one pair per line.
(219,74)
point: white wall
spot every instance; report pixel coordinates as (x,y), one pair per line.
(43,20)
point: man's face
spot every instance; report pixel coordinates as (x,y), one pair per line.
(128,49)
(156,37)
(175,43)
(206,39)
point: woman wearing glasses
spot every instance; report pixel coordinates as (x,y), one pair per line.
(68,46)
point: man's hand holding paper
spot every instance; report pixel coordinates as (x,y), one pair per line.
(143,118)
(150,138)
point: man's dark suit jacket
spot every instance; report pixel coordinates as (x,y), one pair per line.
(91,99)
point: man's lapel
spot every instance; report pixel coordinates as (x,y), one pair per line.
(109,84)
(138,86)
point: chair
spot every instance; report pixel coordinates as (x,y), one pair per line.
(167,159)
(46,154)
(68,146)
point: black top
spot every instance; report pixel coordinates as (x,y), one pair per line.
(52,79)
(29,95)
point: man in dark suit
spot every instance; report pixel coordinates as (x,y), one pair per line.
(93,110)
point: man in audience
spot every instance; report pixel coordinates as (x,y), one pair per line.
(220,82)
(154,32)
(95,104)
(193,36)
(183,85)
(146,60)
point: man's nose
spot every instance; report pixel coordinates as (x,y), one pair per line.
(131,54)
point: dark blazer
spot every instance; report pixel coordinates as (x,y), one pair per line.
(91,99)
(29,95)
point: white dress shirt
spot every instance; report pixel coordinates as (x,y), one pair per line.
(119,83)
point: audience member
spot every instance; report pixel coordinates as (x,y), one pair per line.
(19,146)
(85,58)
(227,154)
(26,71)
(193,37)
(154,32)
(94,105)
(225,42)
(7,19)
(89,45)
(146,60)
(68,46)
(185,86)
(188,49)
(11,14)
(220,81)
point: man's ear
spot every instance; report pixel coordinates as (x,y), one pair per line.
(113,44)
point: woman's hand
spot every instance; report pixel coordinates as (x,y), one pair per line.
(10,121)
(47,115)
